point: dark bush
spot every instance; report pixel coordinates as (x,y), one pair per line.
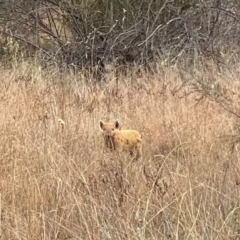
(95,32)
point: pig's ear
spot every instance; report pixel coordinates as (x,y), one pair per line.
(101,124)
(117,125)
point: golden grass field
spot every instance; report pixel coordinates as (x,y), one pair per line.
(58,181)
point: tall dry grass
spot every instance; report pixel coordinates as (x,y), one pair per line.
(58,182)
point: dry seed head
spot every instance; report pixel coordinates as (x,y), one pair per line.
(61,121)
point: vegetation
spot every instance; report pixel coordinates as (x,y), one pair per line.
(94,33)
(59,182)
(168,69)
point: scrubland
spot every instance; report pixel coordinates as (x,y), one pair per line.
(57,180)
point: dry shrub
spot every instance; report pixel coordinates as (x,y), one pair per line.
(58,182)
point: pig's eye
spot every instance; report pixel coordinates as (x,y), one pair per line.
(112,129)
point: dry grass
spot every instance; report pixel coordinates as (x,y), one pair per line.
(58,182)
